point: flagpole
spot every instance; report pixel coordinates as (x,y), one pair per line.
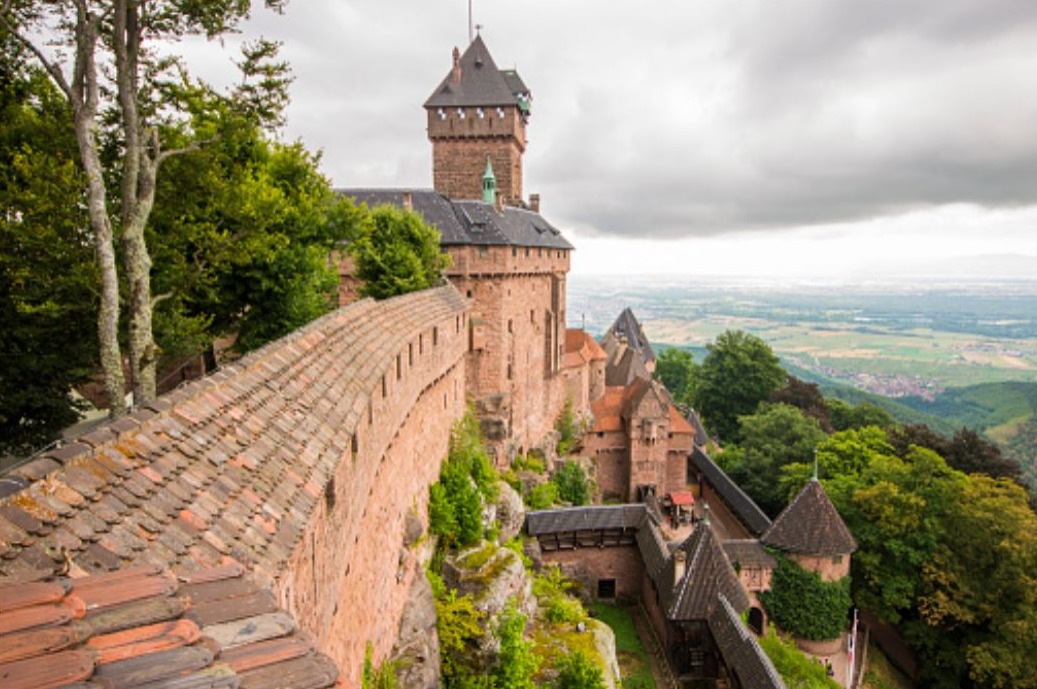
(471,37)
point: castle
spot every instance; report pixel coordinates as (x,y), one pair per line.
(262,527)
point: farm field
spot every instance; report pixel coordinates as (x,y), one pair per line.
(897,341)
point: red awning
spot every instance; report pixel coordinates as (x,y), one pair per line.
(682,498)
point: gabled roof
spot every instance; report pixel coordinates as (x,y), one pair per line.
(466,223)
(707,574)
(748,552)
(810,525)
(585,519)
(145,626)
(742,654)
(581,348)
(624,366)
(747,511)
(478,82)
(627,326)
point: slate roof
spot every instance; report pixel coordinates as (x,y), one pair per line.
(585,519)
(742,654)
(748,552)
(481,83)
(146,627)
(624,366)
(811,525)
(626,325)
(701,437)
(654,551)
(470,223)
(707,573)
(230,465)
(743,506)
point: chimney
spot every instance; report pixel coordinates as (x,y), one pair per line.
(408,201)
(455,75)
(534,203)
(498,201)
(680,566)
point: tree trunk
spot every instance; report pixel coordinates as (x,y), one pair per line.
(138,196)
(84,96)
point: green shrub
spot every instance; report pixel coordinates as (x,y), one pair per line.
(466,479)
(459,625)
(565,609)
(518,664)
(542,496)
(572,483)
(577,671)
(381,677)
(528,463)
(515,546)
(568,427)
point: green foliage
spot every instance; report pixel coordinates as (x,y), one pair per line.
(777,435)
(806,397)
(397,253)
(804,605)
(794,667)
(569,429)
(572,483)
(467,477)
(553,591)
(542,496)
(47,273)
(515,546)
(577,671)
(565,609)
(240,236)
(381,677)
(634,663)
(677,371)
(517,664)
(528,463)
(846,417)
(738,373)
(459,625)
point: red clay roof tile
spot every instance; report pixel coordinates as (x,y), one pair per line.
(60,669)
(14,597)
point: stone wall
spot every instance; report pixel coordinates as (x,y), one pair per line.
(622,564)
(349,579)
(831,568)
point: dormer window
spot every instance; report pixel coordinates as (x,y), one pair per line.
(500,113)
(460,113)
(441,113)
(480,112)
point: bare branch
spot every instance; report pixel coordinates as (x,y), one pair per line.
(190,148)
(51,67)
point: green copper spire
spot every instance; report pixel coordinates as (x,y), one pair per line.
(489,183)
(814,477)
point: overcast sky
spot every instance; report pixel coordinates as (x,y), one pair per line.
(818,138)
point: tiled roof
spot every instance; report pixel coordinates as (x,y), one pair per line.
(608,411)
(481,83)
(707,573)
(464,223)
(624,365)
(742,654)
(627,326)
(811,525)
(748,552)
(147,627)
(701,437)
(743,506)
(678,424)
(582,347)
(231,465)
(653,549)
(585,519)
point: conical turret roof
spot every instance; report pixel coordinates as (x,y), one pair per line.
(810,525)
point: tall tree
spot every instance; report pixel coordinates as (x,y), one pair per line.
(47,273)
(738,373)
(396,253)
(676,369)
(132,95)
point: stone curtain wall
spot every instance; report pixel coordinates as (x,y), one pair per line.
(348,581)
(302,461)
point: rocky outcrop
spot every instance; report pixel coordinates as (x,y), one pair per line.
(416,652)
(510,512)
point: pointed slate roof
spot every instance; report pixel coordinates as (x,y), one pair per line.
(742,654)
(627,325)
(480,82)
(707,574)
(810,525)
(467,223)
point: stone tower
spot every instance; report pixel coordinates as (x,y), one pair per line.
(478,112)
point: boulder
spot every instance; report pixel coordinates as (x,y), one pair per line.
(511,512)
(417,645)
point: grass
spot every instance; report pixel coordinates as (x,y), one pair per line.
(634,664)
(881,674)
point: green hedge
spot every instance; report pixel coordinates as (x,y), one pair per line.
(803,605)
